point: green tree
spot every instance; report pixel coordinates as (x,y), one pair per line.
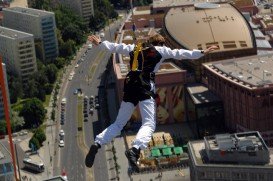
(67,49)
(3,127)
(30,89)
(33,112)
(60,62)
(97,21)
(51,73)
(34,141)
(71,31)
(16,121)
(15,87)
(40,135)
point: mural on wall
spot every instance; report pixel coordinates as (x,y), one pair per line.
(170,107)
(178,103)
(162,110)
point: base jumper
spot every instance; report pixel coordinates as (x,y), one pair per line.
(139,88)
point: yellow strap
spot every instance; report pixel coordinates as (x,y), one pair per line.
(136,52)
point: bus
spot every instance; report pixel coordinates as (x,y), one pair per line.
(35,166)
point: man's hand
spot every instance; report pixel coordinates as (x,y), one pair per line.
(210,49)
(94,39)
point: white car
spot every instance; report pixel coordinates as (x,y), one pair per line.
(89,46)
(77,65)
(61,143)
(102,35)
(70,77)
(61,133)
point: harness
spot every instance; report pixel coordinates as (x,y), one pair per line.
(138,80)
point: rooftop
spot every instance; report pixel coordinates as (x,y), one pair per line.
(174,3)
(201,94)
(13,34)
(252,72)
(238,141)
(209,24)
(243,3)
(29,11)
(198,152)
(5,156)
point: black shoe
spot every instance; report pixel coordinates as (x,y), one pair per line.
(90,157)
(133,155)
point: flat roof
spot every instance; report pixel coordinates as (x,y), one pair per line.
(142,10)
(200,94)
(253,71)
(258,33)
(237,141)
(243,3)
(197,149)
(29,11)
(174,3)
(198,28)
(5,156)
(263,44)
(13,34)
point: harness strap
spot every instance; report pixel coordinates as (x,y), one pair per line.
(136,53)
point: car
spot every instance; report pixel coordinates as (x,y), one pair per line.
(77,65)
(91,102)
(90,46)
(86,115)
(75,92)
(63,101)
(91,111)
(61,133)
(85,120)
(61,143)
(97,106)
(102,35)
(62,122)
(70,77)
(84,111)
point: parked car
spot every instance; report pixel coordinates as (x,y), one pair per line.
(75,92)
(86,115)
(91,111)
(61,143)
(61,133)
(77,65)
(97,106)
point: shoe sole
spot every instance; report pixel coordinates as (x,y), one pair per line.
(90,157)
(133,164)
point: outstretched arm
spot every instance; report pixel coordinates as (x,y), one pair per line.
(179,54)
(112,47)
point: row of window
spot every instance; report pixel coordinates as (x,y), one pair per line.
(250,175)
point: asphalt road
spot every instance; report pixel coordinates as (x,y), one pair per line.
(88,76)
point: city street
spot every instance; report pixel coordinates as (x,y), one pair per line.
(88,77)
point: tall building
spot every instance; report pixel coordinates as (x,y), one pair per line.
(2,112)
(245,87)
(84,8)
(241,156)
(18,52)
(37,22)
(6,171)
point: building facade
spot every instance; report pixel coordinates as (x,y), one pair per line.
(84,8)
(245,87)
(37,22)
(205,113)
(230,157)
(2,112)
(6,167)
(18,52)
